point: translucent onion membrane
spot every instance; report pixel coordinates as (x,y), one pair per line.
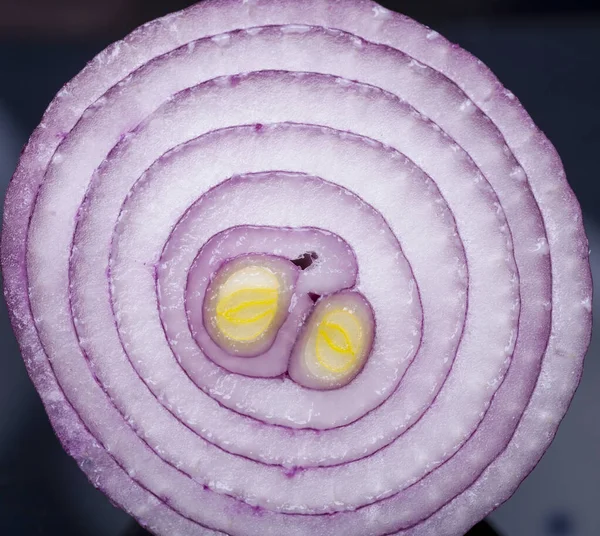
(399,214)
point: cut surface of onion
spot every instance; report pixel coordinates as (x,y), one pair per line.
(299,268)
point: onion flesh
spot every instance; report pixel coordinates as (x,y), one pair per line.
(273,129)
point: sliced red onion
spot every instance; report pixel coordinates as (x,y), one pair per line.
(285,267)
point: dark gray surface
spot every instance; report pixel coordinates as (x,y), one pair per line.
(551,66)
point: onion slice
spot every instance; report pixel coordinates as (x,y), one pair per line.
(284,267)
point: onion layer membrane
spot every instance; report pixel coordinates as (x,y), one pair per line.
(299,268)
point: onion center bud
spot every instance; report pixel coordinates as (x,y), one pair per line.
(247,302)
(335,342)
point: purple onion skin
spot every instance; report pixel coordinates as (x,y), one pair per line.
(542,258)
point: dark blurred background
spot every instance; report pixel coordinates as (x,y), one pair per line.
(546,51)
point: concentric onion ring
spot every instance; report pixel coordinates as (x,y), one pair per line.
(279,129)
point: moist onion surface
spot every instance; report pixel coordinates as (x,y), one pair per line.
(299,268)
